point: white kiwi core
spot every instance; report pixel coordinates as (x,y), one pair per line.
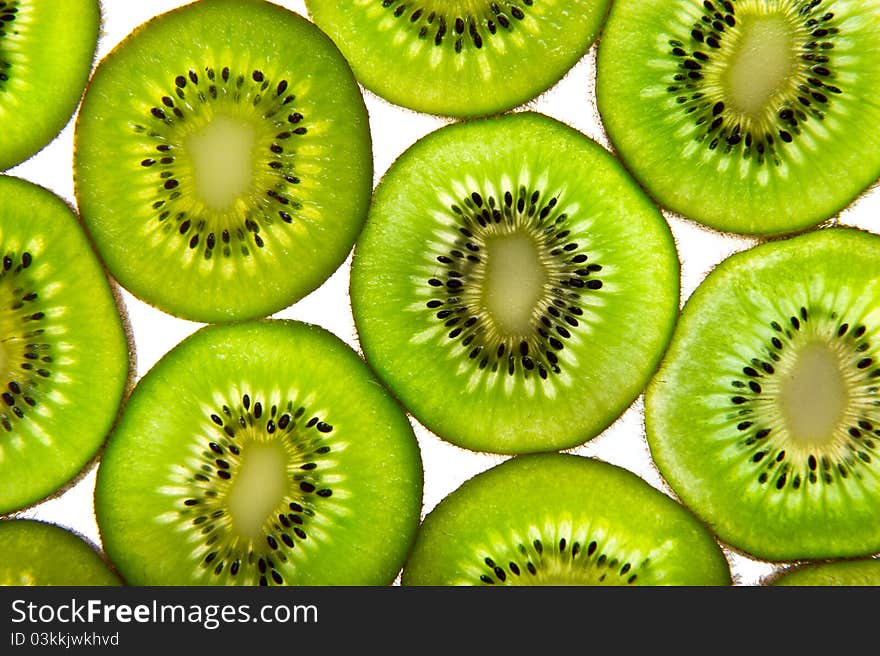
(763,63)
(258,487)
(222,159)
(813,395)
(514,281)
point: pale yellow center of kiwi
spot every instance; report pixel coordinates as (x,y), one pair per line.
(813,396)
(222,156)
(513,282)
(762,65)
(12,344)
(259,486)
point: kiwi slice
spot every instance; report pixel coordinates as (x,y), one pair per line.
(260,453)
(223,160)
(64,360)
(859,572)
(38,553)
(560,519)
(765,415)
(46,53)
(460,58)
(750,117)
(513,286)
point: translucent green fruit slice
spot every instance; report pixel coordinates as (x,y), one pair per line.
(46,53)
(861,572)
(464,57)
(35,553)
(513,286)
(556,519)
(260,454)
(223,160)
(64,358)
(750,117)
(765,415)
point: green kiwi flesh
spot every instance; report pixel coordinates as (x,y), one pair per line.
(460,58)
(260,453)
(764,417)
(41,554)
(64,358)
(560,519)
(513,286)
(223,160)
(46,54)
(859,572)
(747,116)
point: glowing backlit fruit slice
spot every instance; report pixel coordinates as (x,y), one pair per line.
(40,554)
(765,415)
(260,453)
(748,116)
(513,286)
(558,519)
(223,160)
(460,57)
(46,53)
(64,359)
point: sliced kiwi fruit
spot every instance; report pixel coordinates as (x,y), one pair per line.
(850,573)
(260,453)
(42,554)
(223,160)
(747,116)
(765,414)
(46,53)
(560,519)
(460,58)
(64,357)
(513,286)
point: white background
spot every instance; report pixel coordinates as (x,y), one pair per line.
(394,129)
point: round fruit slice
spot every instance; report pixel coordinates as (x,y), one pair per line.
(460,58)
(751,117)
(862,572)
(558,519)
(513,286)
(36,553)
(765,415)
(46,53)
(63,354)
(260,453)
(223,161)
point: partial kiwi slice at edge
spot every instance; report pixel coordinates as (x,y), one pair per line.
(560,519)
(855,572)
(223,161)
(460,58)
(764,417)
(513,286)
(260,453)
(40,554)
(64,354)
(749,117)
(46,53)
